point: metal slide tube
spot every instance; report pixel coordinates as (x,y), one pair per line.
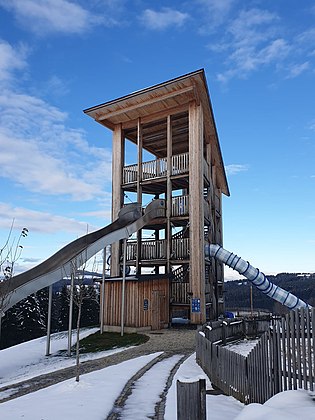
(82,249)
(257,278)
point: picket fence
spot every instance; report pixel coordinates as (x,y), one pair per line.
(283,359)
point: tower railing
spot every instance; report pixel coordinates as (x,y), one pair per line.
(180,206)
(180,164)
(156,249)
(157,168)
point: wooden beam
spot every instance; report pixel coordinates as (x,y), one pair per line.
(169,193)
(139,160)
(117,194)
(139,190)
(155,116)
(196,211)
(145,103)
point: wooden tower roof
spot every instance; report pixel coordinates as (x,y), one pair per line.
(152,105)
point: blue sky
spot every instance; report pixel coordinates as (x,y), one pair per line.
(59,57)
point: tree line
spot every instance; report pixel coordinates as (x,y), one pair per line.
(237,292)
(27,319)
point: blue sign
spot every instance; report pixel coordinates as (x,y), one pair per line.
(195,305)
(145,304)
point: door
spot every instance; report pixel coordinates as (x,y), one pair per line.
(158,310)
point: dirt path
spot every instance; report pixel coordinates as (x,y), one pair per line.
(172,341)
(117,411)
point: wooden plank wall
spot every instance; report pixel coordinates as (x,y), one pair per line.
(283,359)
(135,314)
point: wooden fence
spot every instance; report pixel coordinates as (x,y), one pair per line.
(283,358)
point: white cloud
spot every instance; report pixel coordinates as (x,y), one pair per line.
(37,221)
(43,155)
(10,60)
(24,163)
(165,18)
(297,69)
(100,214)
(43,16)
(306,37)
(214,13)
(55,86)
(234,168)
(249,58)
(252,26)
(250,42)
(39,151)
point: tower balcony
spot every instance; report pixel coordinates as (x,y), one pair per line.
(158,169)
(156,250)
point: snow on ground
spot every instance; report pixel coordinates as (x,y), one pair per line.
(154,380)
(244,347)
(95,394)
(27,360)
(287,405)
(92,398)
(218,406)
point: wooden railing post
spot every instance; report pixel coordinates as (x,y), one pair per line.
(191,400)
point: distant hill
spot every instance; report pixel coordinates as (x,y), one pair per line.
(237,292)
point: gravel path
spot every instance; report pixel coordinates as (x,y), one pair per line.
(171,341)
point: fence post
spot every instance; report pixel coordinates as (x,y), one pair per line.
(191,400)
(224,333)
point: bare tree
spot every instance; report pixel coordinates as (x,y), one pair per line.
(80,293)
(9,254)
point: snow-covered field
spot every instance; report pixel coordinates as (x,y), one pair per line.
(27,360)
(93,397)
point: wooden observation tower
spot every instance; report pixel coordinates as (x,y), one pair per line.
(177,158)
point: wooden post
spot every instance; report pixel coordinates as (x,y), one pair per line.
(196,212)
(117,200)
(70,315)
(123,288)
(139,192)
(169,193)
(251,299)
(50,296)
(102,293)
(191,400)
(169,153)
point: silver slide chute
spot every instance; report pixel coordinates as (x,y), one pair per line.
(257,278)
(130,219)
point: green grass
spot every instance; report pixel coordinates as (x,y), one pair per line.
(109,340)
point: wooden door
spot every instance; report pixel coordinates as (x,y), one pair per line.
(158,310)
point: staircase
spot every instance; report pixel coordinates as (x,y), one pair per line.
(180,288)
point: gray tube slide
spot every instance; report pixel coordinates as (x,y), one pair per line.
(257,278)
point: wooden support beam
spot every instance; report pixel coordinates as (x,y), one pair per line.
(139,189)
(117,193)
(156,116)
(169,192)
(196,211)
